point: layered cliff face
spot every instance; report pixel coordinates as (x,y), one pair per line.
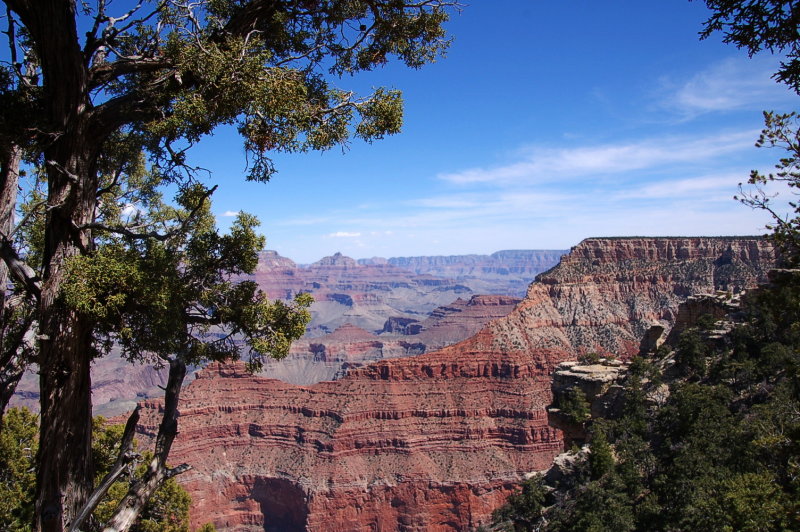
(433,442)
(428,445)
(607,292)
(331,356)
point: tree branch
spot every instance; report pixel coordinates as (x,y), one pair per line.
(124,457)
(19,269)
(157,472)
(161,237)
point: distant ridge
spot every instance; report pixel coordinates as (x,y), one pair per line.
(506,272)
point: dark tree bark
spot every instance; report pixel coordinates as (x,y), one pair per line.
(11,367)
(64,476)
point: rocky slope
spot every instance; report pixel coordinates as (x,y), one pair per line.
(434,442)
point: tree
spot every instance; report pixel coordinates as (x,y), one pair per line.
(771,26)
(18,442)
(100,86)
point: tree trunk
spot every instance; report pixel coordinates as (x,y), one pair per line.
(157,472)
(65,472)
(11,367)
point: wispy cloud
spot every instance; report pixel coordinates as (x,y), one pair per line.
(228,214)
(544,164)
(735,83)
(694,186)
(344,234)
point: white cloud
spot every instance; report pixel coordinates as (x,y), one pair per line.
(735,83)
(554,164)
(344,234)
(229,214)
(130,210)
(684,187)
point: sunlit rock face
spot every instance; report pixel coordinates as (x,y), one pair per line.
(434,442)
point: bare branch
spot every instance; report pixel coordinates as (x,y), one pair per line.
(157,472)
(124,458)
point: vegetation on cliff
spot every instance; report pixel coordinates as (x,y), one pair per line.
(720,452)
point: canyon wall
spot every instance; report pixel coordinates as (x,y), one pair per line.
(434,442)
(329,357)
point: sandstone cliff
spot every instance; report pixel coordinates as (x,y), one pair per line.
(434,442)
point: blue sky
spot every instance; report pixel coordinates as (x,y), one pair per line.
(547,122)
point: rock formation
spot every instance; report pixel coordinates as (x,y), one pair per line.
(506,272)
(434,442)
(347,292)
(331,356)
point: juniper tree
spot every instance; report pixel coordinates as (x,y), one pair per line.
(96,83)
(770,26)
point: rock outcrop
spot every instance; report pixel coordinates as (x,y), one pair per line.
(434,442)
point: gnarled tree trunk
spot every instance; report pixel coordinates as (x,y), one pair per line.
(65,472)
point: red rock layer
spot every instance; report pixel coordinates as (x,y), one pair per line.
(427,444)
(433,442)
(333,355)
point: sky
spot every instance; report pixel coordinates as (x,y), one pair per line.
(546,123)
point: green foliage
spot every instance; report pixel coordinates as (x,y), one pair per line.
(168,296)
(18,443)
(601,458)
(167,511)
(760,25)
(781,130)
(101,284)
(523,510)
(574,405)
(721,452)
(599,506)
(691,352)
(590,357)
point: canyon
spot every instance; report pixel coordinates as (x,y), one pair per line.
(364,311)
(434,442)
(368,292)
